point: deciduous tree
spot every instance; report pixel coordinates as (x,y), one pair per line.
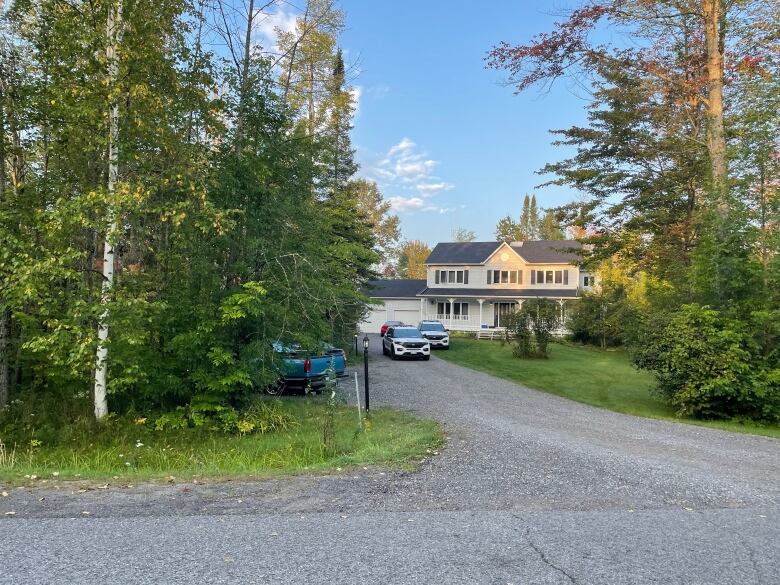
(412,258)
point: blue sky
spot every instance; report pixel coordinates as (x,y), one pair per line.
(447,143)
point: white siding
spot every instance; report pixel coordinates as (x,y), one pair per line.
(406,310)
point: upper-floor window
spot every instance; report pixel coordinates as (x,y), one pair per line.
(588,281)
(451,276)
(505,277)
(549,277)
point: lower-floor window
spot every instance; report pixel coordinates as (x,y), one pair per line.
(452,310)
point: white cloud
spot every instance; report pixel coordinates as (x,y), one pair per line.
(402,147)
(269,25)
(378,91)
(357,93)
(406,203)
(380,172)
(429,189)
(414,170)
(407,170)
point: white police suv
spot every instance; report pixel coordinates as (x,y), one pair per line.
(435,333)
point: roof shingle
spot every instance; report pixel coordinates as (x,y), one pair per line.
(533,251)
(395,288)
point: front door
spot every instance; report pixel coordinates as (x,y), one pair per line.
(500,310)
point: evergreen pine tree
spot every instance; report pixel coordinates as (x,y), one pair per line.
(533,220)
(525,220)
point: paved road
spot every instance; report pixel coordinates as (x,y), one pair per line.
(530,489)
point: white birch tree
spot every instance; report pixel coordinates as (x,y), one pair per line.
(113,39)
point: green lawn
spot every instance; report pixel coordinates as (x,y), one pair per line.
(123,450)
(600,378)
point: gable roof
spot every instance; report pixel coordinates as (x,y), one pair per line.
(393,288)
(532,251)
(461,252)
(548,251)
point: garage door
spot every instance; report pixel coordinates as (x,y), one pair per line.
(407,316)
(374,321)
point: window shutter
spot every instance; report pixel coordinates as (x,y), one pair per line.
(533,277)
(565,277)
(490,277)
(437,277)
(465,277)
(519,277)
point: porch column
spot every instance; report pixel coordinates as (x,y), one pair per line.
(452,310)
(422,309)
(561,302)
(480,301)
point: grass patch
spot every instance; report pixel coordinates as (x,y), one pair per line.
(606,379)
(123,450)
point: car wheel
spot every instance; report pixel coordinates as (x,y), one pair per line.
(446,347)
(384,349)
(392,354)
(277,388)
(426,358)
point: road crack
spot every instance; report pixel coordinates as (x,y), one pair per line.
(740,541)
(541,554)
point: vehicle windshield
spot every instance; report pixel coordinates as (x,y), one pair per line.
(432,327)
(406,332)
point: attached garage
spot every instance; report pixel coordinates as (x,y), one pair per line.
(374,320)
(396,300)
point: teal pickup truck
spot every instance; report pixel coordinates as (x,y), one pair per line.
(299,368)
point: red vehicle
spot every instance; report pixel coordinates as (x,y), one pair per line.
(383,328)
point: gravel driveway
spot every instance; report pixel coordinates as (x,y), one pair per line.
(531,488)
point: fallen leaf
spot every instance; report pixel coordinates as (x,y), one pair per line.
(4,494)
(86,513)
(10,513)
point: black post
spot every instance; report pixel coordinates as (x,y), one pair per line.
(356,349)
(365,369)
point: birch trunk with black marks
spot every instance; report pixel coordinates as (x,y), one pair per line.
(113,37)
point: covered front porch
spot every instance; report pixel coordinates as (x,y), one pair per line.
(473,313)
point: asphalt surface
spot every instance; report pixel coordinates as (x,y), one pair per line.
(531,488)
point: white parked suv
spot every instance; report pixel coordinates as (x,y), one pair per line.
(405,341)
(435,333)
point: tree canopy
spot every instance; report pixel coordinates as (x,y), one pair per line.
(221,179)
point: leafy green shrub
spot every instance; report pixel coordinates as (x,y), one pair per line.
(261,416)
(706,368)
(537,317)
(267,416)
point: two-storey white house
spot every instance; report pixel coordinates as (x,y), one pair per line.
(472,285)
